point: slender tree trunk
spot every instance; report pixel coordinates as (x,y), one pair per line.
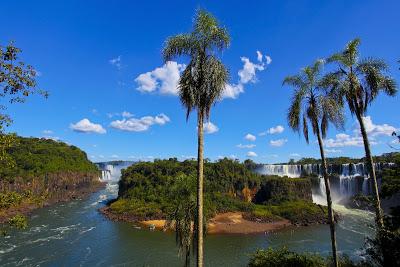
(331,217)
(200,178)
(372,175)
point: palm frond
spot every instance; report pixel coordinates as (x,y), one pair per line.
(389,86)
(216,76)
(370,62)
(294,112)
(295,81)
(181,44)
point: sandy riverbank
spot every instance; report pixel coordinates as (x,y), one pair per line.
(230,223)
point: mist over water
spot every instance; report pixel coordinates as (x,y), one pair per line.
(76,234)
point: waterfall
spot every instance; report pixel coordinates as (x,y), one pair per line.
(347,179)
(111,171)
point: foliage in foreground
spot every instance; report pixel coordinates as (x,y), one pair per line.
(282,257)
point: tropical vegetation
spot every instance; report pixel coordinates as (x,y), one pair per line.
(359,82)
(200,86)
(44,171)
(17,82)
(148,190)
(282,257)
(313,103)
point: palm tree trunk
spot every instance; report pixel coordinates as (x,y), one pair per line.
(328,199)
(371,168)
(200,179)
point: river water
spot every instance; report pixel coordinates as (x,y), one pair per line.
(76,234)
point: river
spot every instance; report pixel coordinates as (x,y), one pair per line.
(76,234)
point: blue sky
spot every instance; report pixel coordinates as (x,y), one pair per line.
(90,55)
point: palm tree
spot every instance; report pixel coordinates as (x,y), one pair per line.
(359,83)
(313,103)
(183,196)
(200,86)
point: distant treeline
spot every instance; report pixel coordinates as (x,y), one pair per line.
(384,158)
(34,157)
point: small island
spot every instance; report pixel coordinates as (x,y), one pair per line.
(237,200)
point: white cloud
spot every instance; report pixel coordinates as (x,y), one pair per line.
(250,137)
(85,126)
(116,62)
(246,146)
(54,138)
(278,142)
(114,156)
(127,114)
(139,125)
(210,128)
(47,132)
(271,156)
(333,150)
(276,130)
(259,56)
(251,154)
(232,90)
(163,79)
(343,140)
(248,72)
(269,59)
(374,130)
(296,155)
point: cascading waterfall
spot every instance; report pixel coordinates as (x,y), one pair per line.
(347,179)
(111,171)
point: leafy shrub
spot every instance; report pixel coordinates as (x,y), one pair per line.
(384,249)
(18,221)
(284,258)
(10,199)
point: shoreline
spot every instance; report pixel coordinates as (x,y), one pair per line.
(222,223)
(26,208)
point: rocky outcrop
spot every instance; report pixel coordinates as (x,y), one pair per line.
(53,188)
(281,189)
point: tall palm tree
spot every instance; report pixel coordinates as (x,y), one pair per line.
(314,104)
(200,86)
(359,82)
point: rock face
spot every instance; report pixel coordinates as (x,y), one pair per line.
(281,189)
(39,192)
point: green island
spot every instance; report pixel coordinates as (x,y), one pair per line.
(147,192)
